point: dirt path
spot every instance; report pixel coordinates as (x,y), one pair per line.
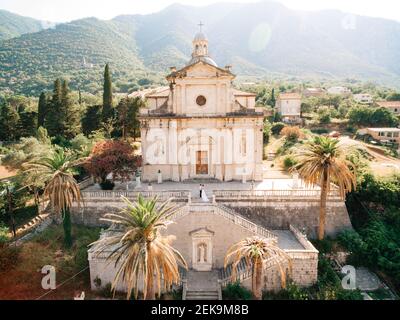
(5,173)
(382,164)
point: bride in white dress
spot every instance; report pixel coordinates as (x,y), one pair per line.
(204,196)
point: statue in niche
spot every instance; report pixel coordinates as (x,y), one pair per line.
(202,253)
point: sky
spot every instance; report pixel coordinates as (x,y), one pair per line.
(67,10)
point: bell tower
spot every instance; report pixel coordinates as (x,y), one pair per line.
(200,44)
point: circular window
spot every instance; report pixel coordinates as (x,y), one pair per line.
(201,101)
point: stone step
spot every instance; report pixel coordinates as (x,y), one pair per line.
(201,181)
(205,298)
(202,295)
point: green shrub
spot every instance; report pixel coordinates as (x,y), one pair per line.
(61,141)
(284,149)
(106,292)
(292,292)
(349,295)
(324,118)
(177,294)
(289,162)
(234,291)
(81,258)
(352,241)
(97,282)
(267,131)
(324,246)
(277,128)
(107,185)
(326,275)
(320,131)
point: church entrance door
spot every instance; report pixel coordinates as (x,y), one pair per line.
(202,163)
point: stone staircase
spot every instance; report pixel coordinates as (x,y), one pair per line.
(224,212)
(242,272)
(202,286)
(31,225)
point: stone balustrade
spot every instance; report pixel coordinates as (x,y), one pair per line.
(243,195)
(247,224)
(227,214)
(180,195)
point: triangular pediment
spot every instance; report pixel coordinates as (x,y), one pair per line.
(201,69)
(202,232)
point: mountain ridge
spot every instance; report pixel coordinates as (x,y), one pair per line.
(13,25)
(258,39)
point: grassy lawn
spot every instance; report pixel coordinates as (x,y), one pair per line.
(20,275)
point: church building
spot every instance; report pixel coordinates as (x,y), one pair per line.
(200,126)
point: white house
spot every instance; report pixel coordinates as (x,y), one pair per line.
(314,92)
(289,107)
(339,91)
(385,134)
(393,106)
(363,98)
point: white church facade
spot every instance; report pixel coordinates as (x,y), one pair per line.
(201,126)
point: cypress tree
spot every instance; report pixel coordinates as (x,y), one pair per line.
(69,113)
(134,106)
(273,99)
(27,123)
(127,117)
(9,119)
(91,120)
(53,120)
(80,97)
(108,111)
(42,109)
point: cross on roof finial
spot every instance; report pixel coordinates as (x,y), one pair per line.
(201,24)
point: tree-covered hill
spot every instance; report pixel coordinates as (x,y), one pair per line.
(13,25)
(259,39)
(77,51)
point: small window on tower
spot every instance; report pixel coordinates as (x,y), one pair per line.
(201,101)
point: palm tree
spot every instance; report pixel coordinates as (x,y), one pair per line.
(323,162)
(61,188)
(139,251)
(256,252)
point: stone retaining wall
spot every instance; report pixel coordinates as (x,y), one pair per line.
(271,214)
(275,214)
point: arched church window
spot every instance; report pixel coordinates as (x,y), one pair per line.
(201,101)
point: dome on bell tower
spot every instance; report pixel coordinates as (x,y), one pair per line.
(200,49)
(200,36)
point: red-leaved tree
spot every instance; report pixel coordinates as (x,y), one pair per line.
(112,156)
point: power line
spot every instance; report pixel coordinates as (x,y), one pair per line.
(57,287)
